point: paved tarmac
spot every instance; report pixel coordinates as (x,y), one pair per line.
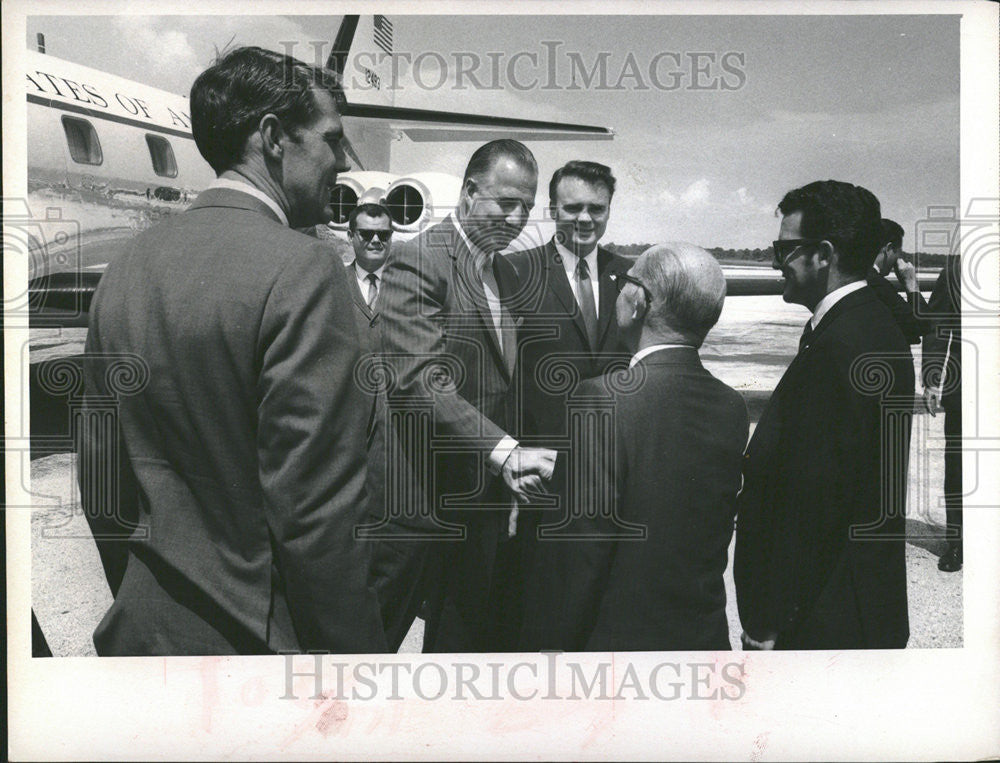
(749,349)
(69,594)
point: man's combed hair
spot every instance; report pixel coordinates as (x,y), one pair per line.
(848,216)
(229,99)
(589,172)
(488,154)
(371,209)
(892,233)
(687,296)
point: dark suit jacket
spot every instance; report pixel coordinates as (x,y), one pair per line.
(555,354)
(906,312)
(820,463)
(942,349)
(247,443)
(671,463)
(395,501)
(439,340)
(369,328)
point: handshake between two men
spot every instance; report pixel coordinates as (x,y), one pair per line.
(527,469)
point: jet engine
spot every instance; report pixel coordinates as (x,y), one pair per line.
(350,187)
(421,199)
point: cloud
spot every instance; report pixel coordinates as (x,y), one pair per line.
(696,194)
(702,211)
(749,203)
(165,50)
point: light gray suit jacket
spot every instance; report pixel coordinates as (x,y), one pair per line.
(247,444)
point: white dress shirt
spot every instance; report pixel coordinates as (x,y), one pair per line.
(502,451)
(244,187)
(490,286)
(833,298)
(569,261)
(651,349)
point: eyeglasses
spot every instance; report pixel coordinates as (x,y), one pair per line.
(367,235)
(784,249)
(620,279)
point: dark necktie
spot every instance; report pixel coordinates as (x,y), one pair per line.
(372,289)
(806,334)
(588,307)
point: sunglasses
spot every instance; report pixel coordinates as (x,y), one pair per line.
(620,279)
(367,235)
(785,249)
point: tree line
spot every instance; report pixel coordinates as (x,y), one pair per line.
(762,256)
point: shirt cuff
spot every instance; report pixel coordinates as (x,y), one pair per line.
(496,459)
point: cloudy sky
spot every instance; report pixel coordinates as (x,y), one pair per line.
(705,157)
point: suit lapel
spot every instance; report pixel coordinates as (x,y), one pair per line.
(356,295)
(846,303)
(608,295)
(470,283)
(559,283)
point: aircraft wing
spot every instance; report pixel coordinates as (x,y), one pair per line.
(424,125)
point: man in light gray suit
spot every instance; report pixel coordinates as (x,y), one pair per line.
(450,338)
(246,447)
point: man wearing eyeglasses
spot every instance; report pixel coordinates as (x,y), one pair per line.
(569,335)
(637,561)
(450,337)
(369,229)
(397,563)
(820,553)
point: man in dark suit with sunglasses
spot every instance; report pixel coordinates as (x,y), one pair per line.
(397,562)
(820,541)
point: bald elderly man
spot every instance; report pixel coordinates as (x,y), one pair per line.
(636,563)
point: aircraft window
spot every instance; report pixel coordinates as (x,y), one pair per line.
(162,154)
(84,147)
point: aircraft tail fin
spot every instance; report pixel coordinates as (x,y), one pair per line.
(363,55)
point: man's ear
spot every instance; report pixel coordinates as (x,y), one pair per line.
(639,308)
(465,196)
(826,253)
(272,135)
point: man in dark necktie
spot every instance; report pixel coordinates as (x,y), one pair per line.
(450,341)
(395,571)
(569,335)
(369,229)
(637,561)
(820,540)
